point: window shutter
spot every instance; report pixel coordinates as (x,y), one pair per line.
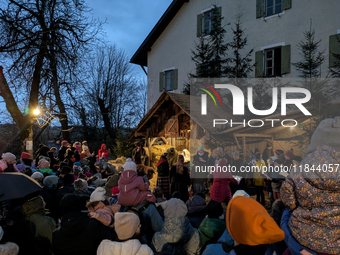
(175,80)
(219,11)
(199,24)
(334,48)
(286,4)
(285,59)
(259,64)
(161,81)
(260,8)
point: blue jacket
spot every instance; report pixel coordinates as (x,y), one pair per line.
(293,245)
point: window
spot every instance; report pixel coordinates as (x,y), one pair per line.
(273,7)
(265,8)
(272,61)
(168,80)
(205,21)
(208,22)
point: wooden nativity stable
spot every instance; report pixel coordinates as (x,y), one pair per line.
(171,123)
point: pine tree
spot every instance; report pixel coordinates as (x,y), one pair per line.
(335,70)
(238,66)
(309,67)
(218,46)
(202,56)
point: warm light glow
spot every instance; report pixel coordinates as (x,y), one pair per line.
(36,112)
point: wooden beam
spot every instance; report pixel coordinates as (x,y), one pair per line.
(140,134)
(244,144)
(237,142)
(253,135)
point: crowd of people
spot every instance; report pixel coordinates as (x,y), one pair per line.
(86,208)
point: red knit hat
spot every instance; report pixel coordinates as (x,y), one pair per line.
(290,154)
(25,155)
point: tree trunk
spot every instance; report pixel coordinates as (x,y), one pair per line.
(105,113)
(62,111)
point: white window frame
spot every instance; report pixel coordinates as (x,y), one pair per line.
(272,60)
(203,22)
(165,71)
(274,5)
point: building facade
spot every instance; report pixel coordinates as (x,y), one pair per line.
(274,29)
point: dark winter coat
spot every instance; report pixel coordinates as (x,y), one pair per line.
(178,230)
(180,182)
(41,226)
(51,201)
(196,210)
(54,161)
(163,169)
(61,153)
(66,189)
(267,154)
(80,235)
(201,176)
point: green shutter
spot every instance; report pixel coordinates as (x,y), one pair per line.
(199,24)
(334,48)
(260,8)
(286,4)
(219,11)
(175,80)
(259,64)
(161,81)
(285,59)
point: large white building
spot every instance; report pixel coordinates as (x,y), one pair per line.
(273,27)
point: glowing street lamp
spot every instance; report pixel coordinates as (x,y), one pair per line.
(36,112)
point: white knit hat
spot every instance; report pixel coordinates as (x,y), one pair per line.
(8,156)
(126,225)
(98,195)
(175,208)
(37,175)
(241,193)
(130,165)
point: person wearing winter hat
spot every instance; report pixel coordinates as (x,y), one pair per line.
(212,228)
(180,178)
(62,150)
(39,177)
(128,232)
(67,187)
(8,163)
(7,248)
(267,153)
(78,234)
(251,227)
(163,179)
(103,153)
(176,231)
(314,197)
(25,164)
(225,240)
(132,188)
(49,194)
(99,208)
(44,167)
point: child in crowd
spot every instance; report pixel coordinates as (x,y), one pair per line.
(132,188)
(99,209)
(44,167)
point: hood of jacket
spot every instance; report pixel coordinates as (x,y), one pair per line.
(177,230)
(212,228)
(33,206)
(196,204)
(323,180)
(130,247)
(101,147)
